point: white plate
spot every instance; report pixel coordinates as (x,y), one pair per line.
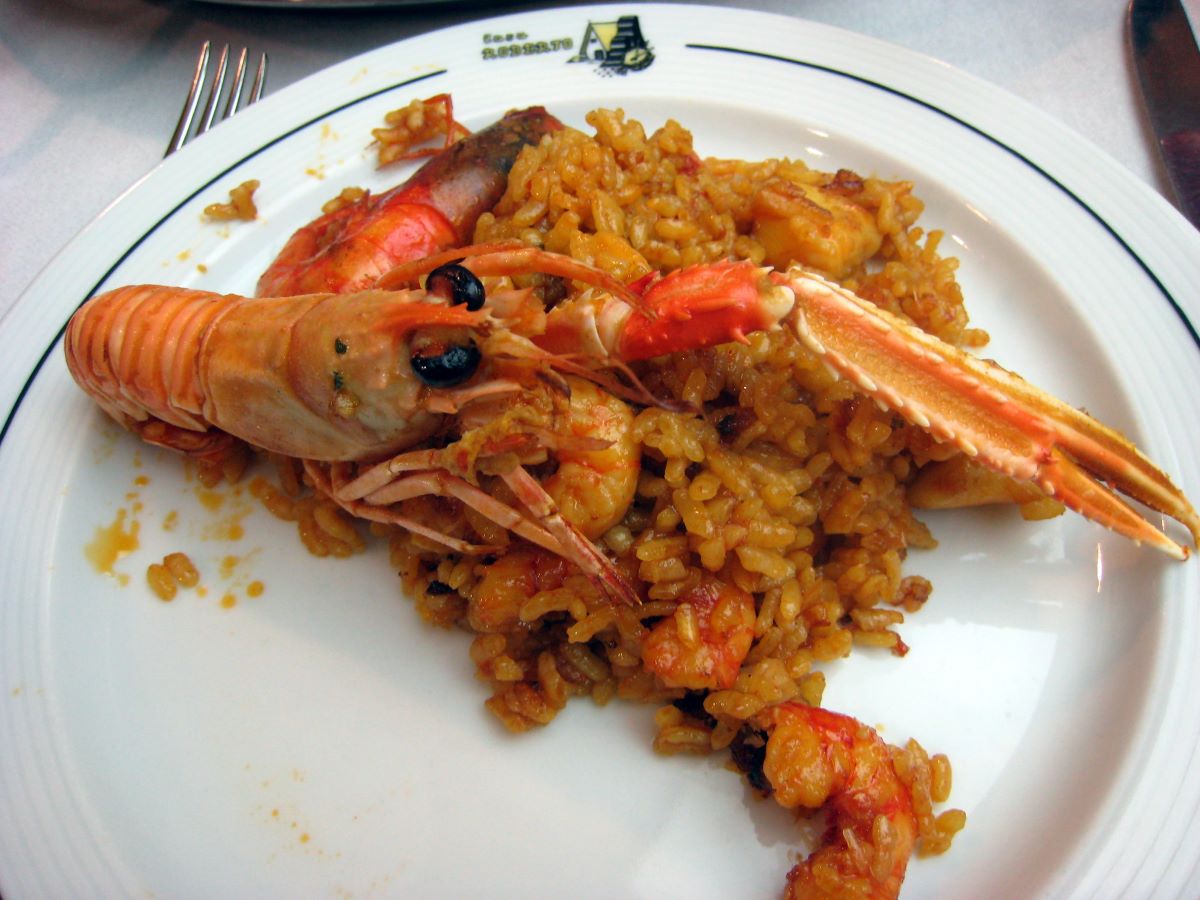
(321,741)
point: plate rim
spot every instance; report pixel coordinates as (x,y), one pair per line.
(1182,307)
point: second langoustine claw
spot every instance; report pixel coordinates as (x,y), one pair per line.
(348,249)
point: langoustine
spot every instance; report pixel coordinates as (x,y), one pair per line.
(332,377)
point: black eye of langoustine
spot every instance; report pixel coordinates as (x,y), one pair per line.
(457,284)
(452,365)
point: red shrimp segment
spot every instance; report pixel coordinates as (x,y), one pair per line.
(711,305)
(816,758)
(349,249)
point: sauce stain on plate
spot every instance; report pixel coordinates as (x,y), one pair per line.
(113,541)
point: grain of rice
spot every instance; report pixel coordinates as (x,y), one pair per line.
(347,197)
(331,521)
(603,691)
(951,822)
(161,581)
(586,661)
(772,565)
(941,777)
(239,206)
(682,739)
(670,569)
(661,548)
(667,519)
(590,626)
(671,590)
(181,568)
(545,602)
(882,639)
(687,625)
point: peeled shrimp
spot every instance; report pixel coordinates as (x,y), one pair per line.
(594,487)
(820,759)
(704,644)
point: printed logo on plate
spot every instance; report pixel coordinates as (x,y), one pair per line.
(618,48)
(615,48)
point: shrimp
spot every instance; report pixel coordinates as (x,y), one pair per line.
(351,391)
(820,759)
(704,644)
(353,382)
(584,433)
(494,603)
(597,475)
(348,249)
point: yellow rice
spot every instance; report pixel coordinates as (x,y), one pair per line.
(788,483)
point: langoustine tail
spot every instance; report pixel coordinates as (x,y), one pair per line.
(135,351)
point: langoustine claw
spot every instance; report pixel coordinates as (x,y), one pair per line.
(992,415)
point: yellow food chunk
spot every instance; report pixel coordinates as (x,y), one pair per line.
(815,227)
(958,482)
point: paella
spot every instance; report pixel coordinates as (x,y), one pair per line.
(650,426)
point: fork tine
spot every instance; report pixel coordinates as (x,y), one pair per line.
(214,95)
(189,105)
(260,80)
(215,89)
(235,92)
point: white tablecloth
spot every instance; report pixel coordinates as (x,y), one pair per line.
(90,89)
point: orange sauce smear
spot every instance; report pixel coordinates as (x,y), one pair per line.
(120,537)
(112,542)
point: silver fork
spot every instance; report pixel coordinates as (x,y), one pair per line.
(215,92)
